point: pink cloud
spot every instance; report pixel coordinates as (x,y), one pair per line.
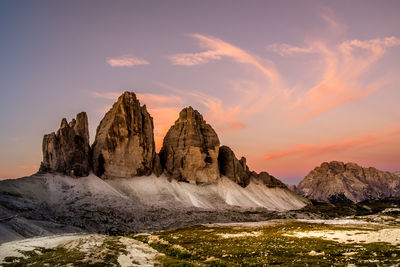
(194,59)
(126,61)
(312,150)
(341,80)
(217,49)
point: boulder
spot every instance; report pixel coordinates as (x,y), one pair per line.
(67,151)
(124,145)
(190,149)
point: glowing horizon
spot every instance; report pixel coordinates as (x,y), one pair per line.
(287,85)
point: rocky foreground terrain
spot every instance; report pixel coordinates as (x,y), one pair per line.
(339,182)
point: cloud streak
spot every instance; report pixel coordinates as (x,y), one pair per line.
(341,81)
(217,49)
(312,150)
(126,61)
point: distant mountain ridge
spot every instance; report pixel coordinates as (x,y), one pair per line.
(348,182)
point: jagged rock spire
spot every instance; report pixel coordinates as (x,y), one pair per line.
(68,151)
(124,144)
(190,149)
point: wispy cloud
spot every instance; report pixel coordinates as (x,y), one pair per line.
(126,61)
(311,150)
(329,17)
(286,49)
(342,76)
(217,48)
(224,119)
(195,58)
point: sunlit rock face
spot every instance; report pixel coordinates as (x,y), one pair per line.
(190,149)
(124,144)
(339,182)
(67,151)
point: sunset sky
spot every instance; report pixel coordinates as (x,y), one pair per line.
(287,84)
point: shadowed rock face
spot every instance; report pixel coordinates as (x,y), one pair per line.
(231,167)
(239,172)
(339,182)
(190,149)
(68,151)
(124,145)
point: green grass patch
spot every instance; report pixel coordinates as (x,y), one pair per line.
(205,246)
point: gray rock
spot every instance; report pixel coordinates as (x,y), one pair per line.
(68,151)
(238,171)
(339,182)
(233,168)
(268,180)
(124,145)
(157,168)
(190,149)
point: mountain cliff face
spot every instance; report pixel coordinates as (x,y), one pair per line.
(190,149)
(68,151)
(339,182)
(238,171)
(124,145)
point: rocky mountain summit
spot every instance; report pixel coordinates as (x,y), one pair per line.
(348,182)
(124,148)
(124,144)
(67,151)
(190,149)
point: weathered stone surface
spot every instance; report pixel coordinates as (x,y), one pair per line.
(157,168)
(268,180)
(233,168)
(339,182)
(124,145)
(68,151)
(190,149)
(238,171)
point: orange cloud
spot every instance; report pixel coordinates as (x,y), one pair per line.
(126,61)
(222,119)
(237,125)
(341,81)
(320,149)
(163,119)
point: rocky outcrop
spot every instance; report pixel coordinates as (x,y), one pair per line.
(157,168)
(239,172)
(190,149)
(124,144)
(67,151)
(267,179)
(339,182)
(231,167)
